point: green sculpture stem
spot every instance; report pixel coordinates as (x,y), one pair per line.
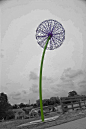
(40,79)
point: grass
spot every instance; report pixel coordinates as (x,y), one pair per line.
(68,116)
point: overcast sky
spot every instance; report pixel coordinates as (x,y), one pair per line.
(64,68)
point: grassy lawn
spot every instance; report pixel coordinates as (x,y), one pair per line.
(68,116)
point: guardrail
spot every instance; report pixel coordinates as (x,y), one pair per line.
(66,101)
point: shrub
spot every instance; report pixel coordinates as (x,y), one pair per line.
(10,115)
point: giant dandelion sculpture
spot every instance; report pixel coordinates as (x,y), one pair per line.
(50,35)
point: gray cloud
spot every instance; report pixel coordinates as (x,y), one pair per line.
(16,98)
(83,86)
(2,56)
(4,88)
(75,74)
(2,49)
(8,83)
(82,82)
(72,80)
(51,80)
(44,78)
(15,95)
(24,91)
(56,89)
(83,92)
(70,74)
(67,81)
(34,88)
(66,85)
(46,81)
(33,76)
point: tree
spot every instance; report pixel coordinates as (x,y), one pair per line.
(72,93)
(51,101)
(38,102)
(45,102)
(4,105)
(15,106)
(9,115)
(27,105)
(3,97)
(54,100)
(31,104)
(57,100)
(21,105)
(34,105)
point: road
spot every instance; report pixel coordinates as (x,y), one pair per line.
(77,124)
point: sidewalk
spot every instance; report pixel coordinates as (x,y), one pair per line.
(77,124)
(38,121)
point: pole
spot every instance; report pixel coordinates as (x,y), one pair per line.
(40,80)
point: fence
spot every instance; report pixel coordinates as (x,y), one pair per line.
(66,101)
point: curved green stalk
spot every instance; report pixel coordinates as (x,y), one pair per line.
(40,80)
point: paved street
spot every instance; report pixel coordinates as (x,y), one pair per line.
(77,124)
